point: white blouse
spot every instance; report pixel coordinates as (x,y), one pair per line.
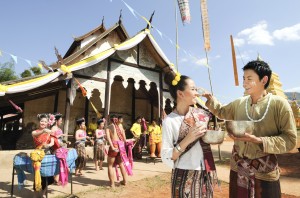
(192,159)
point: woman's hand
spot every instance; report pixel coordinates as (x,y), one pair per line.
(247,138)
(196,132)
(47,131)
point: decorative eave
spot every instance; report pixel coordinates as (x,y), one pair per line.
(100,28)
(72,53)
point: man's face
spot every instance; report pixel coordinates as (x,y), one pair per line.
(120,120)
(251,82)
(139,120)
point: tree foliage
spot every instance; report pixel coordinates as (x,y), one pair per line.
(36,70)
(26,74)
(7,71)
(33,71)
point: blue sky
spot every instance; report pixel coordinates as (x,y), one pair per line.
(31,29)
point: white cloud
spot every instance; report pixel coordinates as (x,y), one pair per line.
(288,33)
(201,61)
(238,42)
(244,56)
(295,89)
(184,60)
(257,35)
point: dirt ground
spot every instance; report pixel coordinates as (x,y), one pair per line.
(159,186)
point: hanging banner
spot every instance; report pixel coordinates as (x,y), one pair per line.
(184,8)
(205,25)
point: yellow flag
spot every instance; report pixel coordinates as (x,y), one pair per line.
(40,65)
(96,111)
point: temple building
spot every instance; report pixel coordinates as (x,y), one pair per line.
(275,86)
(296,110)
(120,74)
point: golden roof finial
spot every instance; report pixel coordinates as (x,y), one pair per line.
(259,57)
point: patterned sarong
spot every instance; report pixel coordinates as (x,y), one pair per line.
(190,184)
(99,153)
(82,158)
(247,169)
(262,188)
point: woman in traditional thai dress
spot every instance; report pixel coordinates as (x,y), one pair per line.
(99,146)
(182,147)
(43,140)
(55,122)
(155,138)
(80,139)
(56,130)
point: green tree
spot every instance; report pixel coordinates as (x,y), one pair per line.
(7,71)
(36,70)
(26,74)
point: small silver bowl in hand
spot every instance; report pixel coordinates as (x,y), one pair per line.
(213,137)
(239,128)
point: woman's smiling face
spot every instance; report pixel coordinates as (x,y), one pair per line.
(43,123)
(190,93)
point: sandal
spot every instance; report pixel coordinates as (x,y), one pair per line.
(123,183)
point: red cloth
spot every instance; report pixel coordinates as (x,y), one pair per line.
(112,153)
(41,139)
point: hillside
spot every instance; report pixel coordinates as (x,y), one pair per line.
(291,94)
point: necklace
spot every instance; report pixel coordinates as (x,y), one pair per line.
(267,109)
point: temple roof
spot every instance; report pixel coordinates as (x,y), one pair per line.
(74,51)
(100,29)
(74,62)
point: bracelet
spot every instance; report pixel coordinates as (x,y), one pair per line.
(178,148)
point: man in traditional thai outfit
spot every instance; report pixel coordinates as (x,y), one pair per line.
(136,131)
(254,166)
(115,136)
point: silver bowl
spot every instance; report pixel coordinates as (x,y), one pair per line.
(239,128)
(213,137)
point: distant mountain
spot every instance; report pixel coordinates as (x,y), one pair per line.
(290,96)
